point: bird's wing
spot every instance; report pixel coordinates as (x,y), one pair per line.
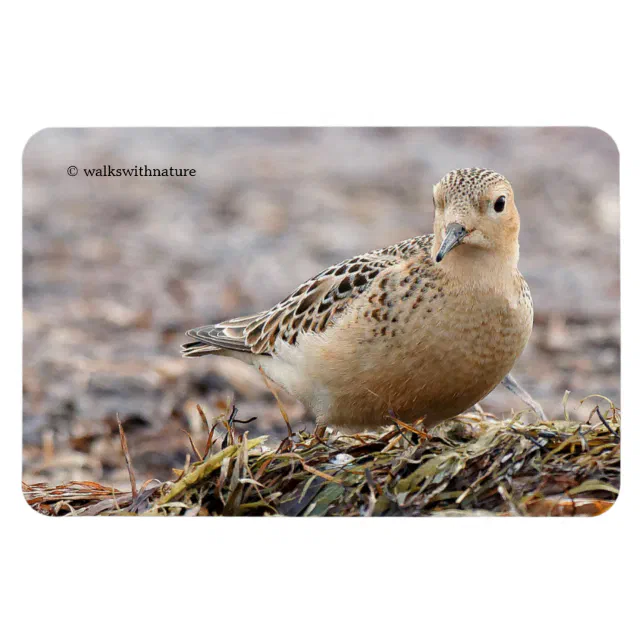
(311,308)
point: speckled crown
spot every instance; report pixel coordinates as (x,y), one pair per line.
(466,184)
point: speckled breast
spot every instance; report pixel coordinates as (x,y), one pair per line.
(432,354)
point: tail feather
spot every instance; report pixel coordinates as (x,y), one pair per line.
(197,349)
(213,338)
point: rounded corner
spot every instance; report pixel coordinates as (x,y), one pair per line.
(611,507)
(30,507)
(604,134)
(31,139)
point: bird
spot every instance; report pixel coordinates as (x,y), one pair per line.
(420,330)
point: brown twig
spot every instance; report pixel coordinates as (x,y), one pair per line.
(397,426)
(204,420)
(211,433)
(126,452)
(192,444)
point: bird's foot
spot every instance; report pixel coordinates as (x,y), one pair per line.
(512,385)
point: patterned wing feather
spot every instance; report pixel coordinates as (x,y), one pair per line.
(311,308)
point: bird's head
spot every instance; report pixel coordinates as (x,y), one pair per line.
(475,210)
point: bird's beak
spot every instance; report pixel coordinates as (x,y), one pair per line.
(454,235)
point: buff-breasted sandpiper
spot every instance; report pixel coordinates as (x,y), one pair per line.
(423,329)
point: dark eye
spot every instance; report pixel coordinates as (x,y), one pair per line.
(499,204)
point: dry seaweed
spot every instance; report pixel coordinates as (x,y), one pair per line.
(471,465)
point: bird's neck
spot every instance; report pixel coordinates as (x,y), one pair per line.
(482,269)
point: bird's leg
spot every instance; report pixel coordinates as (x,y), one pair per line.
(512,385)
(319,431)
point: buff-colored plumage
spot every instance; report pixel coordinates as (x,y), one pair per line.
(422,329)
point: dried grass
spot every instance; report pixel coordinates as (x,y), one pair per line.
(474,464)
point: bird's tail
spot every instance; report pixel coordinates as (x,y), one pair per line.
(197,349)
(229,335)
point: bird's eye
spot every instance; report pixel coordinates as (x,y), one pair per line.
(499,204)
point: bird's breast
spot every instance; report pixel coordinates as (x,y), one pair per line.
(432,356)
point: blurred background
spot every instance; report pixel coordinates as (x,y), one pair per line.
(117,268)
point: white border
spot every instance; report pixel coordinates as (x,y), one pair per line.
(287,63)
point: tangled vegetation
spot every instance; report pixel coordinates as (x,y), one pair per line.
(474,464)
